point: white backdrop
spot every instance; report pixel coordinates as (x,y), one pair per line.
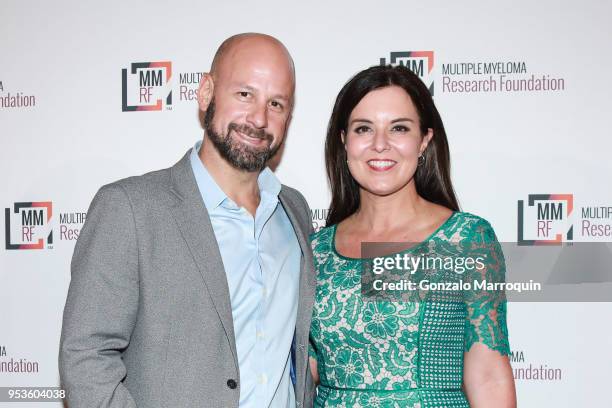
(65,60)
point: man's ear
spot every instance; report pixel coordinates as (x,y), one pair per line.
(288,123)
(205,91)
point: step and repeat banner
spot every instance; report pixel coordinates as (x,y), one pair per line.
(91,92)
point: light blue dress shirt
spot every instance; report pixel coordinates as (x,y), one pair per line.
(261,256)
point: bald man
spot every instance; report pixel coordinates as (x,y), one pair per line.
(193,286)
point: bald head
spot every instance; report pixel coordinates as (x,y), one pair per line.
(254,43)
(247,98)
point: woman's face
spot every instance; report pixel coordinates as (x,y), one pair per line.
(383,141)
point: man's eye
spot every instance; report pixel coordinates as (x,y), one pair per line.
(276,104)
(243,94)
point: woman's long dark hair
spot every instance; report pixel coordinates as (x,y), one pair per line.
(432,178)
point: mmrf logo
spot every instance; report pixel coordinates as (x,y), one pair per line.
(28,225)
(318,216)
(146,86)
(546,219)
(419,62)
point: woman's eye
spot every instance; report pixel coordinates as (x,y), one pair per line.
(400,128)
(361,129)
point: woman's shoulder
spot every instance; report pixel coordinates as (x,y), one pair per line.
(472,226)
(323,235)
(470,218)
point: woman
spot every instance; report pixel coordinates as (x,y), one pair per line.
(387,163)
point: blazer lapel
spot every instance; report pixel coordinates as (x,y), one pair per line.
(301,234)
(194,223)
(306,290)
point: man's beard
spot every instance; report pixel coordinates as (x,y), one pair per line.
(239,155)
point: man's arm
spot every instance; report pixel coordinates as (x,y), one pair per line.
(101,307)
(312,373)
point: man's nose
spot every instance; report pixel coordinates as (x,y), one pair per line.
(258,115)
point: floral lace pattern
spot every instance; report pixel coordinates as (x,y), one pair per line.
(401,354)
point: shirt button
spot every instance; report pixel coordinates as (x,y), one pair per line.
(260,335)
(232,384)
(263,379)
(264,292)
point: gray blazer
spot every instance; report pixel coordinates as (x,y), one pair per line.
(148,321)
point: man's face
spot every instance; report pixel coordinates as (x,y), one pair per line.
(248,116)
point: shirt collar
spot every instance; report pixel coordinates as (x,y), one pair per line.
(213,195)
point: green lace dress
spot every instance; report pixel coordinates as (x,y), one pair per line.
(395,353)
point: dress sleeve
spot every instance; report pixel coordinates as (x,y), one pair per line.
(486,307)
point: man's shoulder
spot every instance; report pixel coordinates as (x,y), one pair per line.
(146,182)
(152,187)
(143,184)
(294,196)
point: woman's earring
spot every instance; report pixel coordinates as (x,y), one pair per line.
(421,160)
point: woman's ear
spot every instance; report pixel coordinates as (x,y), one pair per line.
(426,139)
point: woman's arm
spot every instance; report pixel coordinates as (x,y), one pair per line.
(487,378)
(314,370)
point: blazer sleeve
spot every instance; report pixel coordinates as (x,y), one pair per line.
(101,306)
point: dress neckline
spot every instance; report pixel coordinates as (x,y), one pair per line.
(433,234)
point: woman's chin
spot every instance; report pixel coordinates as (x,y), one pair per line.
(382,190)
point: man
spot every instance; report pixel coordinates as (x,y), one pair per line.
(193,286)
